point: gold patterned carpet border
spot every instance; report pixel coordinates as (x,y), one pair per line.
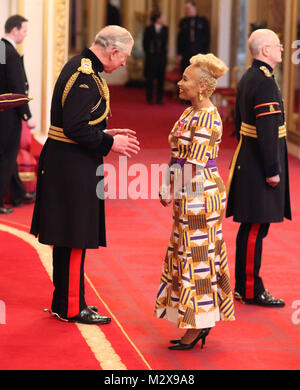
(94,337)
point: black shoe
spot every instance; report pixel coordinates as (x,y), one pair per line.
(88,316)
(27,198)
(238,297)
(175,341)
(5,210)
(94,308)
(265,299)
(184,347)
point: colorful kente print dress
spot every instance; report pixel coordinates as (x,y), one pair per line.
(195,289)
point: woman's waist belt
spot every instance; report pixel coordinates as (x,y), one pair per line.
(250,131)
(58,134)
(181,161)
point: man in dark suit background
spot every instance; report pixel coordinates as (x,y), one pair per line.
(113,15)
(13,79)
(155,45)
(193,36)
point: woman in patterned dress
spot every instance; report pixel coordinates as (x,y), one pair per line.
(195,289)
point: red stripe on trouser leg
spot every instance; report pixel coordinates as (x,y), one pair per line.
(250,260)
(74,282)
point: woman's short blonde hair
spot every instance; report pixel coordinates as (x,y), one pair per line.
(211,68)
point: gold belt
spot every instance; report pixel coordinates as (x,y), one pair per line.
(247,131)
(57,133)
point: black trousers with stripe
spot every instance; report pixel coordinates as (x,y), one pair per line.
(68,279)
(249,243)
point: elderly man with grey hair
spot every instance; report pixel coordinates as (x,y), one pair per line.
(258,184)
(68,215)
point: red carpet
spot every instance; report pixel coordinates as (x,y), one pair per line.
(29,340)
(123,278)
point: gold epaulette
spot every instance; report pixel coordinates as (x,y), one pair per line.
(86,66)
(266,71)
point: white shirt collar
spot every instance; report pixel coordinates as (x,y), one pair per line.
(11,41)
(158,27)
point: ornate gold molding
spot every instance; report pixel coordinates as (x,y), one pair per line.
(60,36)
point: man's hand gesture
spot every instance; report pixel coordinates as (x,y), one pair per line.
(125,142)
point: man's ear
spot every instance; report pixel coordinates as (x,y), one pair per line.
(265,51)
(114,52)
(14,30)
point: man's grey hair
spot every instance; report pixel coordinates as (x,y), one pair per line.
(258,39)
(115,37)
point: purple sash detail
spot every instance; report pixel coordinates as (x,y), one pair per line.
(211,163)
(181,161)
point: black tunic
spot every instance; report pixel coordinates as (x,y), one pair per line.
(259,104)
(68,212)
(193,38)
(155,46)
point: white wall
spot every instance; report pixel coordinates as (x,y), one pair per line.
(224,35)
(32,48)
(4,13)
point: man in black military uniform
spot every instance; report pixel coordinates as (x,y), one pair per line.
(155,43)
(193,36)
(68,214)
(258,184)
(13,79)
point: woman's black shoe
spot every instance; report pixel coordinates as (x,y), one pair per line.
(175,341)
(183,347)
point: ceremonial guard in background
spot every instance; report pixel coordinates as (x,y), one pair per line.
(193,36)
(258,184)
(155,43)
(68,214)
